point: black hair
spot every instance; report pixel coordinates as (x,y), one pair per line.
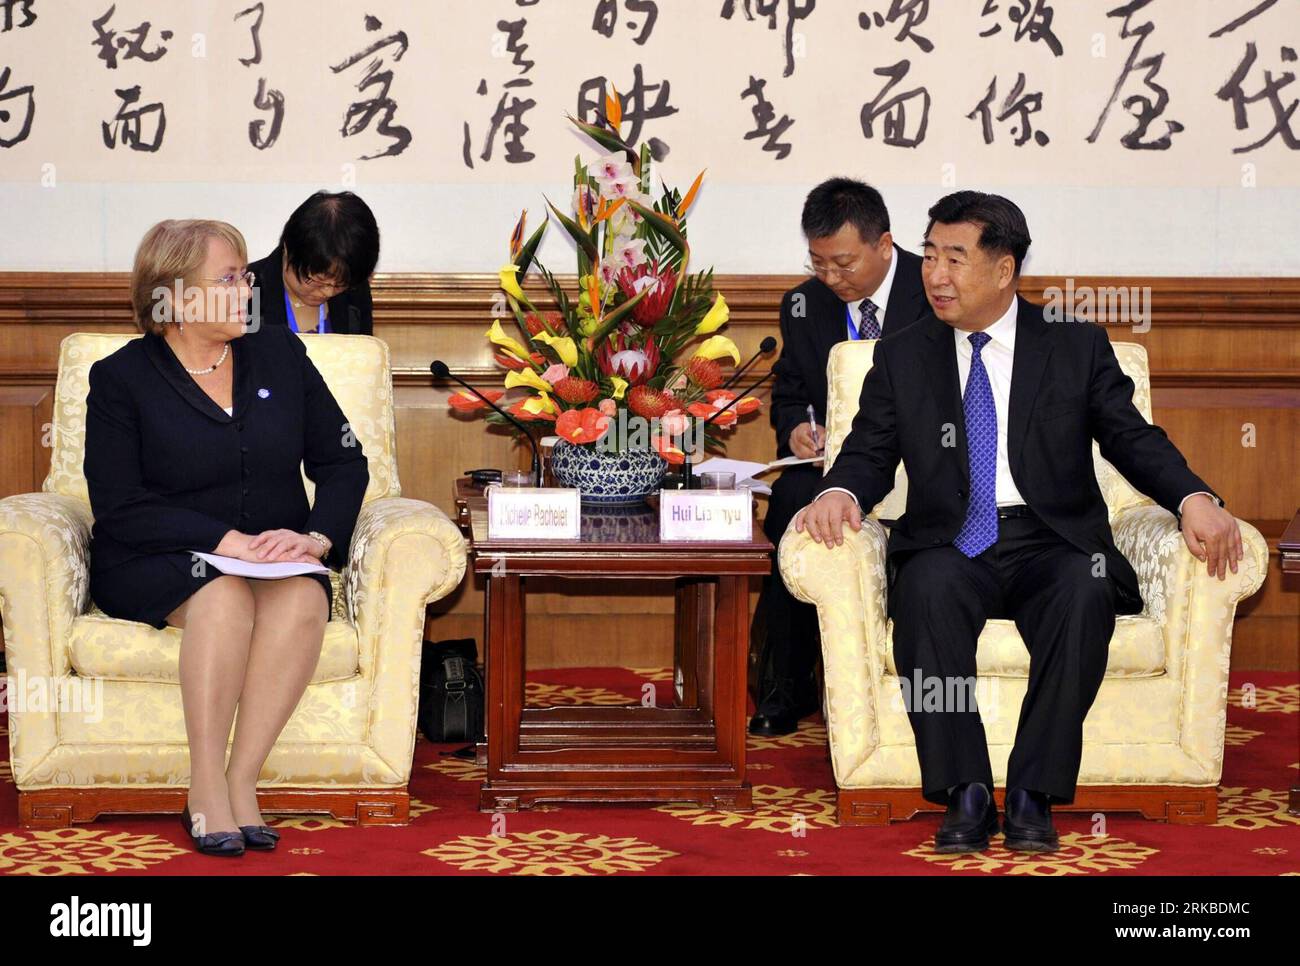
(1003,229)
(840,201)
(332,234)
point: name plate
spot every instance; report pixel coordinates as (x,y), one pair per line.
(706,515)
(528,513)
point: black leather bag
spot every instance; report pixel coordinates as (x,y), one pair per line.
(451,692)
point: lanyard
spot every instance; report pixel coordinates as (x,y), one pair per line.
(321,324)
(848,320)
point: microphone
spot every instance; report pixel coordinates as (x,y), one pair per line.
(689,473)
(764,348)
(440,371)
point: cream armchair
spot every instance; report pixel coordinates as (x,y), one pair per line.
(1153,740)
(95,722)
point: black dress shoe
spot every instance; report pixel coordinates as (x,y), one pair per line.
(972,817)
(1028,825)
(782,723)
(259,837)
(214,843)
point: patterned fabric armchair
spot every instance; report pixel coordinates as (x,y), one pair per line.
(1153,740)
(95,722)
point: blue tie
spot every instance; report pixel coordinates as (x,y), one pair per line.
(980,531)
(869,327)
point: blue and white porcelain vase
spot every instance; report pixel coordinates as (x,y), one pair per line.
(608,479)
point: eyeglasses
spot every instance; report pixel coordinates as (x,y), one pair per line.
(248,278)
(323,282)
(826,271)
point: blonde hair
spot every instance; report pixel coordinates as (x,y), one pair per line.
(171,250)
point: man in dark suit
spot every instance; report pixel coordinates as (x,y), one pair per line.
(993,411)
(318,278)
(862,284)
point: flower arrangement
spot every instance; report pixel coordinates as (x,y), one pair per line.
(632,360)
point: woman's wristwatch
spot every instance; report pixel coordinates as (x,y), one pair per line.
(323,540)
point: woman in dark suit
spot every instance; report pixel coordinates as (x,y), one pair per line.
(195,439)
(318,279)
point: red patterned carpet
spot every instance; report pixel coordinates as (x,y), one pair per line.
(791,830)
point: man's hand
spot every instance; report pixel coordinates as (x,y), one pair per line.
(824,518)
(1212,535)
(804,444)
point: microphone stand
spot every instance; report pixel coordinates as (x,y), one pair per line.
(441,371)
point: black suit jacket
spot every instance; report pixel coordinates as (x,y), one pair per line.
(1067,389)
(169,471)
(351,312)
(806,342)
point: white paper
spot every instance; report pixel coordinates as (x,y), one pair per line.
(266,571)
(746,471)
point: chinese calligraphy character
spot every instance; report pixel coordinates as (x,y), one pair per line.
(915,12)
(1245,18)
(256,31)
(1032,20)
(128,126)
(511,108)
(764,115)
(591,99)
(1139,105)
(606,19)
(266,100)
(110,44)
(9,100)
(1270,92)
(1015,103)
(768,8)
(7,9)
(895,110)
(361,113)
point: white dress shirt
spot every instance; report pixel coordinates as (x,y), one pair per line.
(997,354)
(880,296)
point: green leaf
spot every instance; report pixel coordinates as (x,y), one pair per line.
(661,225)
(530,249)
(606,139)
(608,323)
(584,240)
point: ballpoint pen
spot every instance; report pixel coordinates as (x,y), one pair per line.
(812,424)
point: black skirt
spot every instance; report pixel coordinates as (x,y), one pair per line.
(147,589)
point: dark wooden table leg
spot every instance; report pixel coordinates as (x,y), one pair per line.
(730,656)
(505,687)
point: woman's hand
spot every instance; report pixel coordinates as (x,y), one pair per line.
(236,544)
(284,546)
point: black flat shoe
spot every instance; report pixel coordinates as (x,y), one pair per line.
(260,838)
(214,843)
(1028,825)
(972,817)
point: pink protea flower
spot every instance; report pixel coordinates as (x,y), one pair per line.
(662,284)
(617,356)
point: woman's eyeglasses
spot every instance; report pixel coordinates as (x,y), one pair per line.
(247,277)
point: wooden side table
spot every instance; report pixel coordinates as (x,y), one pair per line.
(691,751)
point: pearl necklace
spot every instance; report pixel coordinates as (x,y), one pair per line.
(212,368)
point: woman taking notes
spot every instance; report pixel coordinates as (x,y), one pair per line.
(196,435)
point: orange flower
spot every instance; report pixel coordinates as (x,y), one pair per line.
(576,392)
(705,410)
(705,373)
(647,402)
(510,362)
(554,319)
(464,402)
(523,415)
(671,454)
(582,425)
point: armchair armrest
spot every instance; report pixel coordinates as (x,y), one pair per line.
(44,578)
(405,554)
(1195,613)
(848,585)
